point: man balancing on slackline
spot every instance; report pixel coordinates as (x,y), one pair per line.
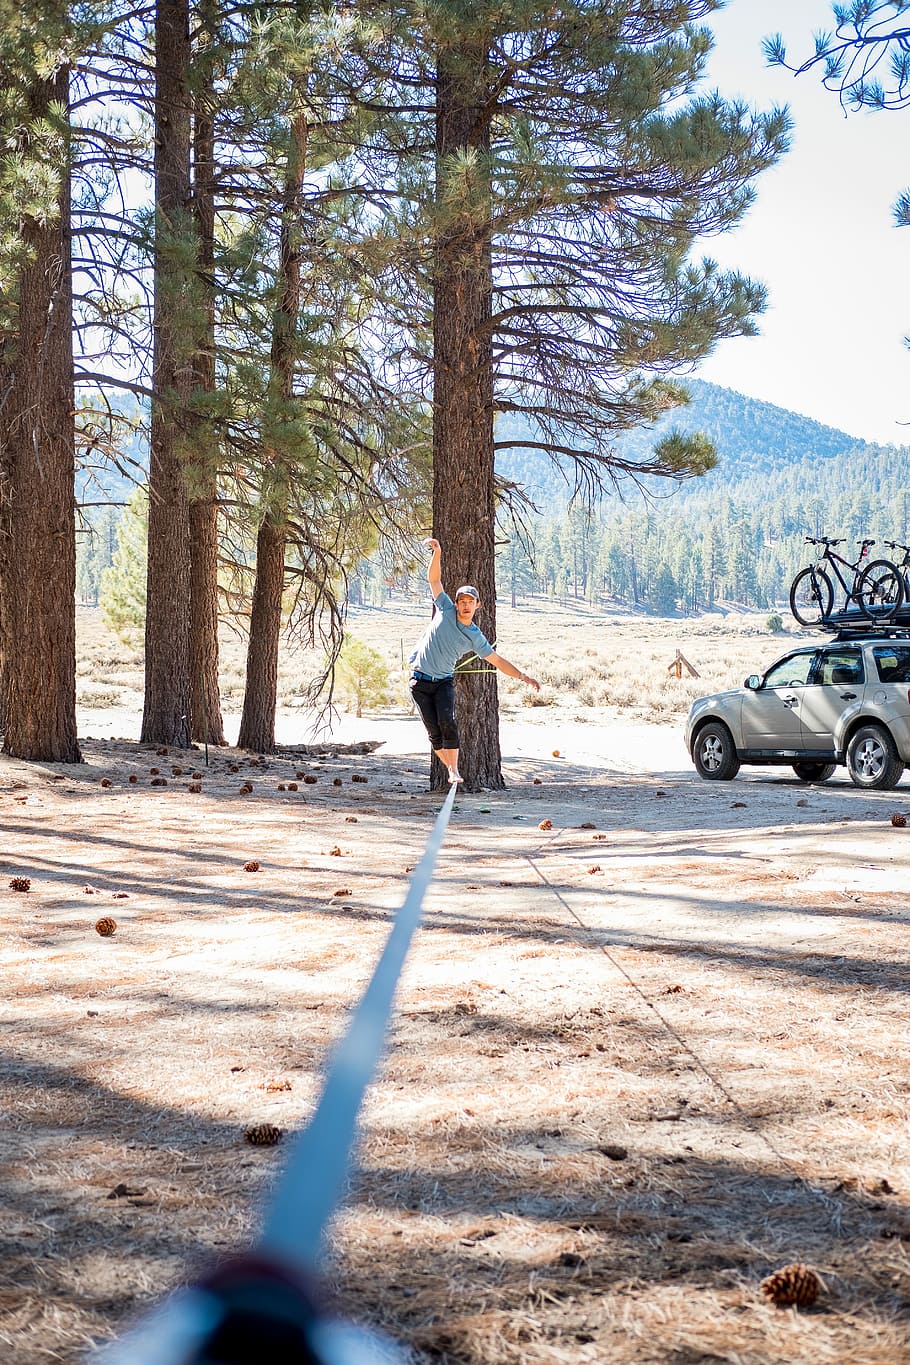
(450,634)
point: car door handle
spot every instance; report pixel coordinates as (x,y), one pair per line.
(791,702)
(848,696)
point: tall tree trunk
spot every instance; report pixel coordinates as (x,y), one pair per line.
(37,498)
(463,485)
(260,697)
(166,717)
(207,724)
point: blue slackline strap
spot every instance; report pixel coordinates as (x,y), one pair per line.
(314,1178)
(315,1174)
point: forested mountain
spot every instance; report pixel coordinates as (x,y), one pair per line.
(737,534)
(752,437)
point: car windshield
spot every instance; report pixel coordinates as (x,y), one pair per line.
(790,672)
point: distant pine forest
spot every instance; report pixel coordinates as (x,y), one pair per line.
(734,538)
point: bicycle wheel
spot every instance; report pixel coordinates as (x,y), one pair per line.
(879,591)
(811,596)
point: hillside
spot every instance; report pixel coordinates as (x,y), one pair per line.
(752,438)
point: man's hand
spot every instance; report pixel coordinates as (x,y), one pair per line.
(432,544)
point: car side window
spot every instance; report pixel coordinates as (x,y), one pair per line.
(892,663)
(790,672)
(837,667)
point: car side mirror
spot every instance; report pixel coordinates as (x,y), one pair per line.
(753,682)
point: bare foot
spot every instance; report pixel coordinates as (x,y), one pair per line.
(455,776)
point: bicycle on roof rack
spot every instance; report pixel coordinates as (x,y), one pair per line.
(903,568)
(876,588)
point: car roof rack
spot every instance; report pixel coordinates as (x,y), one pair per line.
(870,631)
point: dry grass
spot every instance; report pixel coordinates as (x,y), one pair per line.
(614,1100)
(583,658)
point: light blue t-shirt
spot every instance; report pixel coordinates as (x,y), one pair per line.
(445,640)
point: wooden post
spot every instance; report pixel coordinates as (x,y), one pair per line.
(676,667)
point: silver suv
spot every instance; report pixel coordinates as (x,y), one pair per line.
(847,701)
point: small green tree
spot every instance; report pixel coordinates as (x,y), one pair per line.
(123,584)
(361,675)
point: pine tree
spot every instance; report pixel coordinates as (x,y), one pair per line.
(571,171)
(166,717)
(37,433)
(123,583)
(852,62)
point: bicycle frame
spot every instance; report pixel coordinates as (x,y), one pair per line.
(830,556)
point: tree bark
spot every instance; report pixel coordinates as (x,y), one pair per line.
(464,511)
(37,496)
(207,723)
(166,717)
(260,697)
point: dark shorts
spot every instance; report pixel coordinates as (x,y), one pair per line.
(436,703)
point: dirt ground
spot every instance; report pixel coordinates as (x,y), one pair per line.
(643,1055)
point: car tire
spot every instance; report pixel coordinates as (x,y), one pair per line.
(808,770)
(872,759)
(714,753)
(811,597)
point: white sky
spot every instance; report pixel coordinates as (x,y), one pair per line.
(820,236)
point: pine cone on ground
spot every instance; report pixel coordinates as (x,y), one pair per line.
(795,1284)
(310,780)
(898,819)
(359,777)
(251,866)
(106,926)
(292,786)
(545,824)
(263,1135)
(195,788)
(337,782)
(158,782)
(133,778)
(20,883)
(246,789)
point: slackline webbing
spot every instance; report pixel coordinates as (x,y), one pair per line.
(314,1178)
(316,1172)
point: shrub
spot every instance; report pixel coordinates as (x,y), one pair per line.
(774,624)
(362,675)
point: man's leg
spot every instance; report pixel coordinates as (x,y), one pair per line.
(447,750)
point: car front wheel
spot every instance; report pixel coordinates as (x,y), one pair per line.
(872,759)
(714,753)
(808,771)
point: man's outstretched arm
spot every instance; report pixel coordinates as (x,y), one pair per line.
(434,568)
(511,671)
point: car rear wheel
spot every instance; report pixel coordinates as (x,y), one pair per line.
(872,759)
(809,771)
(714,753)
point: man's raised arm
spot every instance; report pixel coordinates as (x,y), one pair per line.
(434,568)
